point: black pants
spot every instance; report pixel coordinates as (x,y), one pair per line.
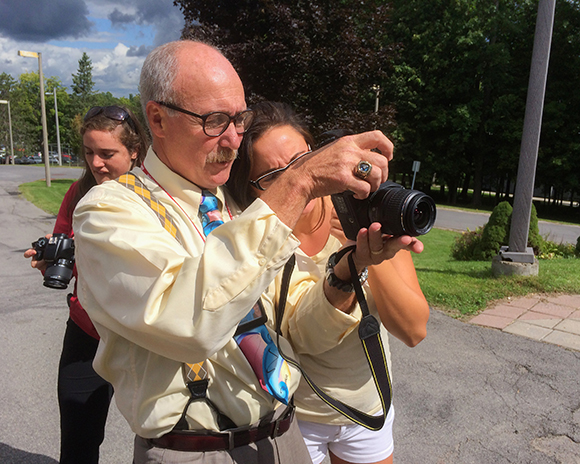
(83,398)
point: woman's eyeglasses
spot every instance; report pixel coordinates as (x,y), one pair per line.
(216,123)
(265,180)
(116,113)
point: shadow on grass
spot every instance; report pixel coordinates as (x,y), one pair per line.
(473,273)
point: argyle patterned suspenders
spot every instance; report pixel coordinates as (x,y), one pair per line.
(194,372)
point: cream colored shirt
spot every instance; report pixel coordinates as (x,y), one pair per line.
(158,302)
(340,369)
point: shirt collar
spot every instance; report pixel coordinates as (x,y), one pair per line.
(182,190)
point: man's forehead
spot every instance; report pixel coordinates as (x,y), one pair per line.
(221,93)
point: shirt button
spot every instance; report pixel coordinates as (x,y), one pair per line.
(262,261)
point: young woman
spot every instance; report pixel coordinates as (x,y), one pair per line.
(113,142)
(277,139)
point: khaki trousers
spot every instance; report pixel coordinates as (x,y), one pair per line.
(287,449)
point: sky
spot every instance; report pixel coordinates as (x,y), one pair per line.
(117,35)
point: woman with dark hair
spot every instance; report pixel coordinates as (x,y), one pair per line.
(277,140)
(113,142)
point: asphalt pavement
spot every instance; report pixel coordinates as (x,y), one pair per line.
(466,394)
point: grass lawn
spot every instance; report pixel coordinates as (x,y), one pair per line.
(460,288)
(47,199)
(463,288)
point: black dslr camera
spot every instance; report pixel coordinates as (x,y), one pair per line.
(59,253)
(400,211)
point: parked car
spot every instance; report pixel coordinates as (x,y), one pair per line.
(35,159)
(22,160)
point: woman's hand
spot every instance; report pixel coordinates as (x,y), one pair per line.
(36,264)
(374,247)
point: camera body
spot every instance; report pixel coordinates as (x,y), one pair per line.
(400,211)
(58,252)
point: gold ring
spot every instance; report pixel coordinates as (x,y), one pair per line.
(376,252)
(363,169)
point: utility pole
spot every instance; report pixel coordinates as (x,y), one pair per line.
(6,102)
(518,252)
(42,112)
(57,130)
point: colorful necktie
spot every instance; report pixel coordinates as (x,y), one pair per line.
(210,214)
(258,347)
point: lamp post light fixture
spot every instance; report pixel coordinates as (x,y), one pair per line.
(57,130)
(42,111)
(6,102)
(377,89)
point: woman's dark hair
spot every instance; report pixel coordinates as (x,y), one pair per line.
(267,115)
(133,140)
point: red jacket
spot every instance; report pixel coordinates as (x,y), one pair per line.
(63,225)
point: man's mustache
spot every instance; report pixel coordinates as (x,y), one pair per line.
(223,155)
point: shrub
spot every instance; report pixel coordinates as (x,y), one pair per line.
(535,240)
(495,232)
(463,248)
(484,243)
(552,250)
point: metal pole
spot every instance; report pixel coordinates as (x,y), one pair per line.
(10,128)
(6,102)
(43,119)
(57,131)
(376,88)
(523,196)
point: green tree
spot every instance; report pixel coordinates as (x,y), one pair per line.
(457,87)
(322,57)
(559,157)
(83,80)
(26,120)
(7,85)
(83,86)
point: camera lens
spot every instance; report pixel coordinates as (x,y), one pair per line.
(59,274)
(401,211)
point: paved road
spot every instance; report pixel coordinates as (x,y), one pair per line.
(465,395)
(455,219)
(32,322)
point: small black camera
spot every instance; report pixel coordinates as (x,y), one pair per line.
(59,253)
(400,211)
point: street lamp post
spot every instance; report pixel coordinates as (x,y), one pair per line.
(377,89)
(57,131)
(6,102)
(42,112)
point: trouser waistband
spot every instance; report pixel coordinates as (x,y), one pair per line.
(226,440)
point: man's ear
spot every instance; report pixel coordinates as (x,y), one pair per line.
(157,118)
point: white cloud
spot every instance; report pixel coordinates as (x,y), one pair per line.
(116,67)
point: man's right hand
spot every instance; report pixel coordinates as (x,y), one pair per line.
(329,170)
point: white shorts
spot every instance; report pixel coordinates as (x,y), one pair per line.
(352,442)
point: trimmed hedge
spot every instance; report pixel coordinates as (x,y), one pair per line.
(485,242)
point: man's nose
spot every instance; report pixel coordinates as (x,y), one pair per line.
(230,138)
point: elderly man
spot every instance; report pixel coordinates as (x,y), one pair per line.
(167,296)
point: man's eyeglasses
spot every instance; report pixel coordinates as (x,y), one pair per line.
(265,180)
(216,123)
(116,113)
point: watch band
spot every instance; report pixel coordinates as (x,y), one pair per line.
(342,285)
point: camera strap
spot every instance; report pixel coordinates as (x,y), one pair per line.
(369,334)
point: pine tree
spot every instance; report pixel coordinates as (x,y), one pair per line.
(83,81)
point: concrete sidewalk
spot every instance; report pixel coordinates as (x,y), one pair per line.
(550,319)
